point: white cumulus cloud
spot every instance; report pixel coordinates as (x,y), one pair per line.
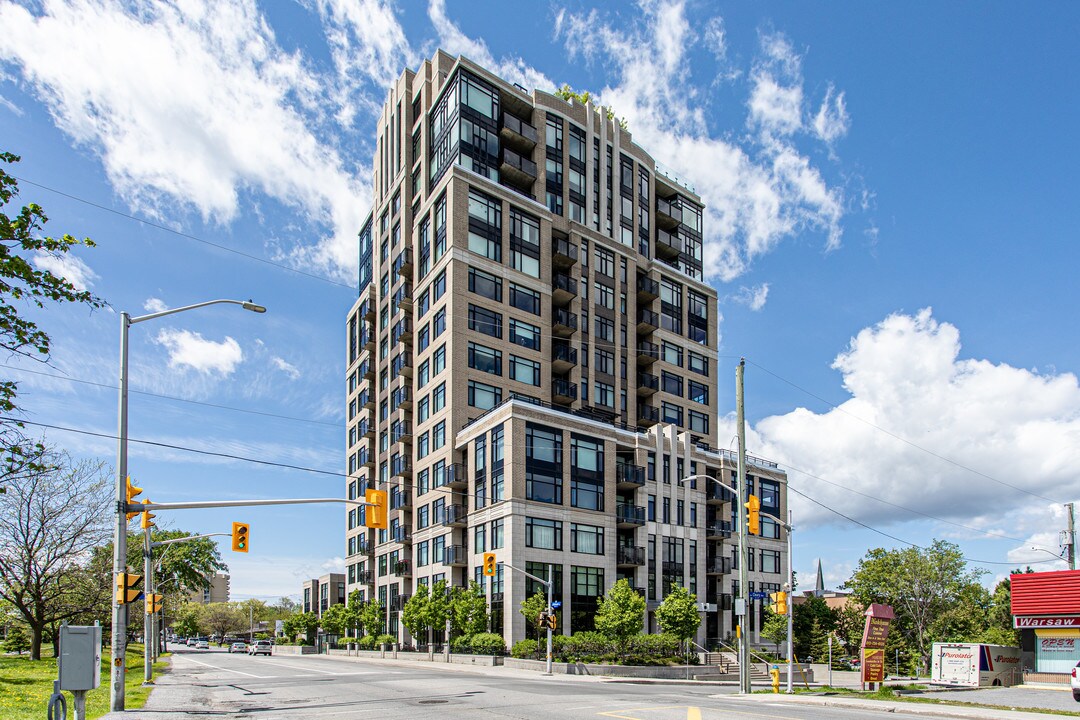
(957,438)
(155,305)
(69,267)
(191,349)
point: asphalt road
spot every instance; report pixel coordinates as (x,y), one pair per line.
(216,684)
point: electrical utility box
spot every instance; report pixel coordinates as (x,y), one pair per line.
(80,657)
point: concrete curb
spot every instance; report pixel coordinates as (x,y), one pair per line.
(930,710)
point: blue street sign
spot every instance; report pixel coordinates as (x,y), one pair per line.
(556,604)
(759,595)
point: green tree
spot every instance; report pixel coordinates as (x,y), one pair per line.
(25,280)
(416,615)
(305,623)
(17,640)
(530,609)
(678,613)
(775,629)
(187,621)
(921,585)
(355,605)
(373,617)
(1000,630)
(621,614)
(468,610)
(335,619)
(812,612)
(440,608)
(223,619)
(850,621)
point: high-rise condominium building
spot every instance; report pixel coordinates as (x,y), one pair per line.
(532,363)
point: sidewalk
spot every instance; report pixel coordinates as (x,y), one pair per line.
(910,708)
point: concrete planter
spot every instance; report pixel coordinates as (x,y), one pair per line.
(293,650)
(661,672)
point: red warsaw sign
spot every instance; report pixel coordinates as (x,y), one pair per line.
(1046,622)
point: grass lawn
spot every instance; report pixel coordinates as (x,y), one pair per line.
(26,686)
(887,693)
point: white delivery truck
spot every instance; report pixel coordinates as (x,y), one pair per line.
(975,665)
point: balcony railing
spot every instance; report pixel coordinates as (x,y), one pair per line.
(563,288)
(647,321)
(403,296)
(456,476)
(400,466)
(402,534)
(719,529)
(401,397)
(453,516)
(647,383)
(563,252)
(630,476)
(400,499)
(519,129)
(563,322)
(402,364)
(402,332)
(718,565)
(456,555)
(648,288)
(647,414)
(398,602)
(668,211)
(403,263)
(668,245)
(630,555)
(629,514)
(647,352)
(563,391)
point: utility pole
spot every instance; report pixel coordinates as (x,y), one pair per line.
(1071,539)
(740,506)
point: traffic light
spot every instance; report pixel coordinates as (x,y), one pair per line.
(132,491)
(127,588)
(240,537)
(753,515)
(489,564)
(542,621)
(552,621)
(779,602)
(146,515)
(153,603)
(375,514)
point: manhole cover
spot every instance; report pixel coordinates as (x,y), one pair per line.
(432,702)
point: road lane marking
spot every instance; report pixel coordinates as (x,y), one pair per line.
(215,667)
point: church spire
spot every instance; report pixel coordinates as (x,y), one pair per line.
(819,587)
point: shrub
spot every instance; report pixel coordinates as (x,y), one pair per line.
(488,644)
(643,649)
(589,647)
(558,646)
(461,644)
(525,649)
(346,640)
(385,640)
(367,642)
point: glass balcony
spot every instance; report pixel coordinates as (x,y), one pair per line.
(647,321)
(668,211)
(668,245)
(647,352)
(563,289)
(518,131)
(647,415)
(563,322)
(403,264)
(563,356)
(563,392)
(629,556)
(517,170)
(647,384)
(456,477)
(563,253)
(402,364)
(629,516)
(629,477)
(648,289)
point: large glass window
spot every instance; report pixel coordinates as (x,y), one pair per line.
(524,370)
(543,534)
(588,539)
(586,473)
(543,464)
(485,321)
(484,396)
(485,225)
(524,299)
(485,284)
(524,334)
(485,359)
(524,243)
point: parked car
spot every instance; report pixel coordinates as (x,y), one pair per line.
(1075,682)
(239,647)
(202,645)
(261,647)
(191,642)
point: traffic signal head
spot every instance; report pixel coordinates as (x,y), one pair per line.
(240,537)
(375,516)
(779,602)
(127,588)
(490,564)
(552,621)
(146,515)
(753,515)
(130,495)
(153,603)
(542,621)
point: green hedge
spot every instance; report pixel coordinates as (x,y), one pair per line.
(387,640)
(487,644)
(525,649)
(640,649)
(367,642)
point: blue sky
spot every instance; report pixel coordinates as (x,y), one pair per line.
(891,230)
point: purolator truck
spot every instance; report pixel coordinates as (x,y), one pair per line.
(975,665)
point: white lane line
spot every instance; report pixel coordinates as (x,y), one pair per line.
(215,667)
(304,668)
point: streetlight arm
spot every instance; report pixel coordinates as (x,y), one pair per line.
(246,304)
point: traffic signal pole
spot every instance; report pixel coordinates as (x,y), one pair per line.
(744,636)
(550,610)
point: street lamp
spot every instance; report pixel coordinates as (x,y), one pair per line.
(119,614)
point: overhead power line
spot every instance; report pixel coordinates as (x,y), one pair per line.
(188,236)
